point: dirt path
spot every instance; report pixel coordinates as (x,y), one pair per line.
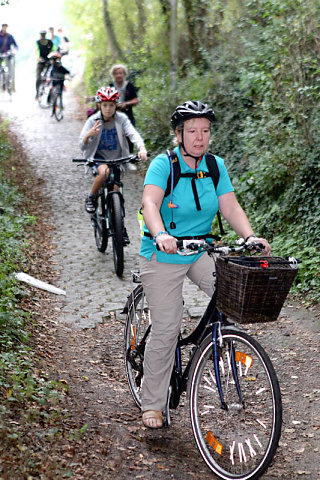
(85,329)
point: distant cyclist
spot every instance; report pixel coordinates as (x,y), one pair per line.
(57,73)
(55,39)
(104,137)
(65,43)
(44,47)
(8,46)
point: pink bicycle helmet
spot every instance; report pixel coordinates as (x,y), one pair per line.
(107,94)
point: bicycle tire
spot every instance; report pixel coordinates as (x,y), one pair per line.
(238,442)
(137,329)
(99,224)
(43,93)
(58,107)
(2,80)
(116,227)
(8,83)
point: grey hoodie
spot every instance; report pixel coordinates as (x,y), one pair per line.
(124,129)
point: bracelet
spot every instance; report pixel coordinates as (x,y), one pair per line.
(158,234)
(250,236)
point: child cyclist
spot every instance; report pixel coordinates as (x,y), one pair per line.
(104,137)
(57,74)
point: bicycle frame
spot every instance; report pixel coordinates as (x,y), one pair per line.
(232,388)
(6,80)
(108,218)
(210,323)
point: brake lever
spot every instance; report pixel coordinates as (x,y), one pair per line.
(256,246)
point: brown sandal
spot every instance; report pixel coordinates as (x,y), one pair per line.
(152,419)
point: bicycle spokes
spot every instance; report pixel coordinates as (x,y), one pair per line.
(138,326)
(237,436)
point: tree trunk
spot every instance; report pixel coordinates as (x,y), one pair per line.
(141,15)
(173,45)
(196,13)
(114,45)
(166,11)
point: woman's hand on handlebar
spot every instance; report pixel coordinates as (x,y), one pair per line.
(167,243)
(265,243)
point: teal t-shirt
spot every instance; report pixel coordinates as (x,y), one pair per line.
(189,221)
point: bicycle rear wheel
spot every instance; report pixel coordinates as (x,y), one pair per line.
(58,107)
(137,329)
(99,224)
(8,83)
(116,226)
(240,441)
(43,93)
(2,80)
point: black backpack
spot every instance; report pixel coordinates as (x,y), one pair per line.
(175,175)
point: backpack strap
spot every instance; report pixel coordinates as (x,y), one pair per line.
(215,175)
(175,174)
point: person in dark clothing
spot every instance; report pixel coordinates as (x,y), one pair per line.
(7,42)
(44,47)
(128,96)
(8,47)
(57,73)
(126,89)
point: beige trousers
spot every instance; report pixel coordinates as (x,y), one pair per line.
(163,283)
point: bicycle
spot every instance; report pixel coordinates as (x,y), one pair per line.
(57,105)
(108,219)
(44,87)
(6,80)
(232,387)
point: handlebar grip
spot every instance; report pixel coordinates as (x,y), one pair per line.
(257,245)
(135,159)
(83,160)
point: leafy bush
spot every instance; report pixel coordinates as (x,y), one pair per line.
(259,70)
(18,383)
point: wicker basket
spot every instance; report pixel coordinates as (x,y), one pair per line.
(251,291)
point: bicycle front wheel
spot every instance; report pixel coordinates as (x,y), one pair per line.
(239,440)
(136,332)
(116,226)
(99,224)
(58,107)
(43,94)
(8,83)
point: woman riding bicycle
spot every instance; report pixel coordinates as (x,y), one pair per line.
(104,137)
(188,211)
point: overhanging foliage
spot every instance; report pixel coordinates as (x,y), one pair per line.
(257,63)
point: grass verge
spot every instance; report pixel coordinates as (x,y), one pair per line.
(31,412)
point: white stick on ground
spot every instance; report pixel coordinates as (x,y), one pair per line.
(24,277)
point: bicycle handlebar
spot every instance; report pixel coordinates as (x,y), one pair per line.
(91,162)
(193,246)
(7,54)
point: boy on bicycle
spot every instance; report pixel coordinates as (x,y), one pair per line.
(104,137)
(57,73)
